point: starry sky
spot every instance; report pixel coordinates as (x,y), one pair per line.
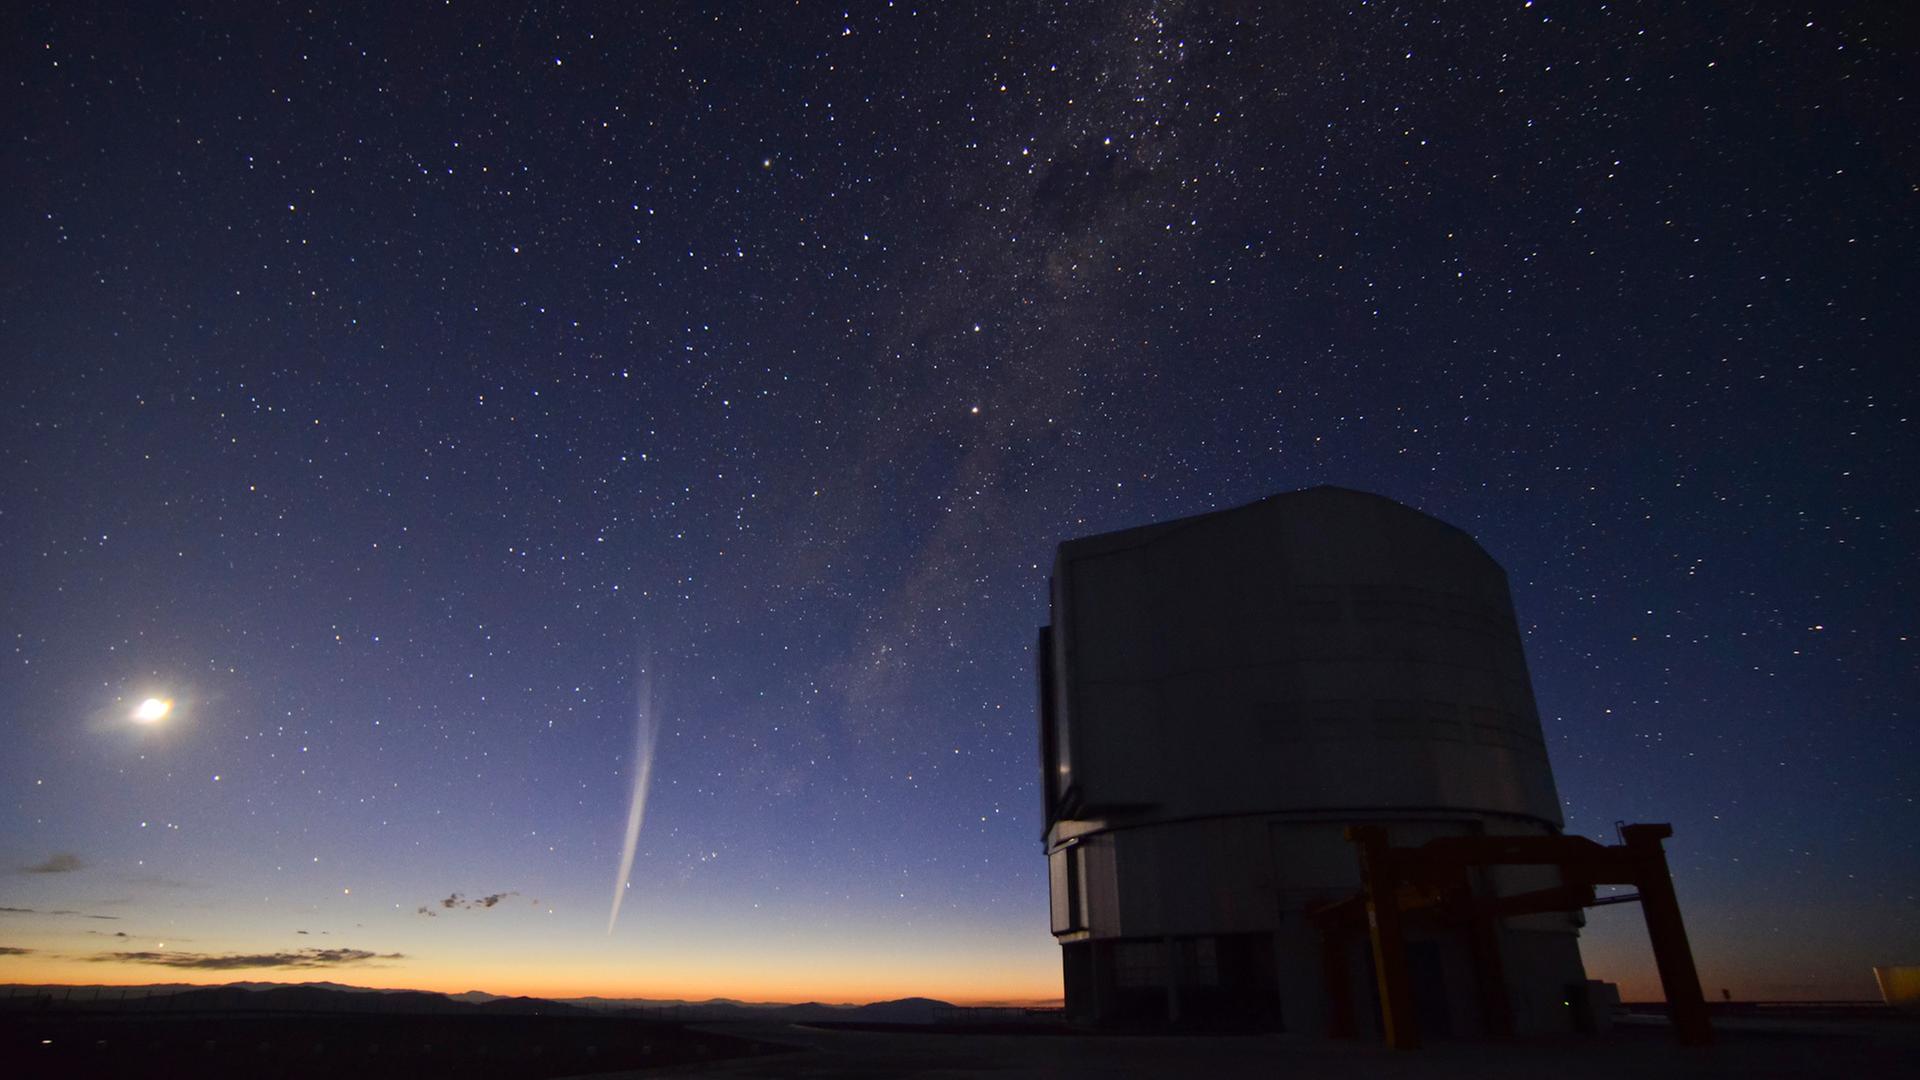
(426,398)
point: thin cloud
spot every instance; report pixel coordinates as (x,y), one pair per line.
(59,911)
(13,950)
(63,862)
(459,901)
(298,958)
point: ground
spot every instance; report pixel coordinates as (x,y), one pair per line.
(1746,1048)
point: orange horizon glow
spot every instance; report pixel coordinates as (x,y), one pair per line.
(551,985)
(47,971)
(1636,985)
(832,966)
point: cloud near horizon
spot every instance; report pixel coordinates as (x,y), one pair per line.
(61,862)
(298,958)
(60,911)
(13,950)
(459,901)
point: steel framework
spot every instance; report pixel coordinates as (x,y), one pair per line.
(1433,885)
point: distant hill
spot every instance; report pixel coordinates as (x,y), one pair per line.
(321,985)
(330,997)
(903,1011)
(282,998)
(156,989)
(913,1010)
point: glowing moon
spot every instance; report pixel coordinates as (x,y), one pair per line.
(152,711)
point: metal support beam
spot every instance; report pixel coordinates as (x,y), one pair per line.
(1432,884)
(1389,939)
(1538,902)
(1671,954)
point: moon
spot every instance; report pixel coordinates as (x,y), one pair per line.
(152,711)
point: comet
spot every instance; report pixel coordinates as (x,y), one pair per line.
(643,741)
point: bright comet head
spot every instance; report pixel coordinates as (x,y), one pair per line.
(152,711)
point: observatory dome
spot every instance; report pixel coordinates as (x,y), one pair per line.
(1221,696)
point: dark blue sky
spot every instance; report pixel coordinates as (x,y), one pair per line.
(386,389)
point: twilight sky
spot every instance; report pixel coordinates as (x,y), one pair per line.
(401,393)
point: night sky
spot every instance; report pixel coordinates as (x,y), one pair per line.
(412,396)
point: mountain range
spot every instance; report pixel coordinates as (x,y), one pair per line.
(338,997)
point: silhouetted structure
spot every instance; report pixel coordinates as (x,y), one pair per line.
(1221,697)
(1437,890)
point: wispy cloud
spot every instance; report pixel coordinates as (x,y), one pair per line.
(13,950)
(459,901)
(298,958)
(59,911)
(62,862)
